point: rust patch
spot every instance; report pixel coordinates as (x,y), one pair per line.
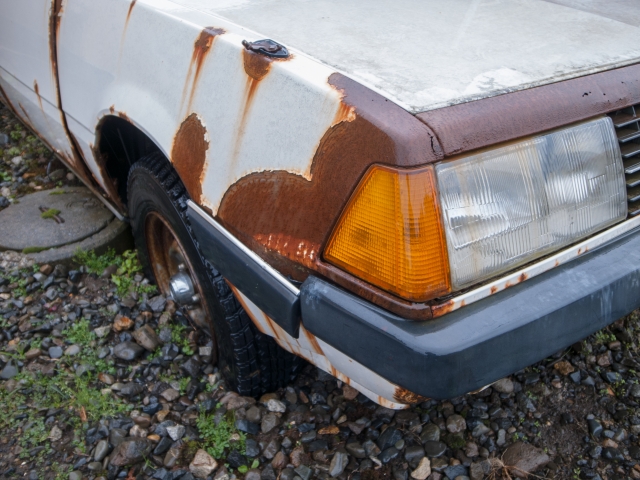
(54,28)
(483,123)
(112,109)
(256,66)
(201,49)
(189,155)
(314,343)
(441,309)
(403,395)
(557,263)
(494,289)
(523,276)
(111,184)
(286,219)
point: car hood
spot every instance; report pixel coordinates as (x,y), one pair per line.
(427,54)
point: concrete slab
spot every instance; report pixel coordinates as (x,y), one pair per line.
(22,225)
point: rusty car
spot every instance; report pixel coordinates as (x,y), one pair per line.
(419,198)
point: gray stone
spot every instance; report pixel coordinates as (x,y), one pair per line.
(595,428)
(75,476)
(274,405)
(434,449)
(456,424)
(55,352)
(23,226)
(272,448)
(130,451)
(338,463)
(202,464)
(101,451)
(9,371)
(147,337)
(254,415)
(72,350)
(388,454)
(170,394)
(430,433)
(504,385)
(246,426)
(388,438)
(269,422)
(127,351)
(455,471)
(157,303)
(304,472)
(176,432)
(172,457)
(117,436)
(524,458)
(251,449)
(413,453)
(356,449)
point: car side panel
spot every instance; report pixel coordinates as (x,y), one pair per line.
(27,72)
(177,73)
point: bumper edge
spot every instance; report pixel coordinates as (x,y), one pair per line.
(483,342)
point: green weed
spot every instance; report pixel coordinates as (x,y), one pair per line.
(50,213)
(217,438)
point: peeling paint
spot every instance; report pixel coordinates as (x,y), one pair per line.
(405,396)
(189,154)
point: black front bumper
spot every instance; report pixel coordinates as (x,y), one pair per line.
(485,341)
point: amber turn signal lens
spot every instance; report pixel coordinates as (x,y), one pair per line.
(390,234)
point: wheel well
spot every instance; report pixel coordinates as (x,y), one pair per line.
(119,144)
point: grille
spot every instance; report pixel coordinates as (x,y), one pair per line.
(627,126)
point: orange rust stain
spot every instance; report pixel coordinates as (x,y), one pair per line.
(579,251)
(557,263)
(37,90)
(334,372)
(314,342)
(112,109)
(403,395)
(189,155)
(274,328)
(494,289)
(507,285)
(255,65)
(443,308)
(523,276)
(54,28)
(124,116)
(201,49)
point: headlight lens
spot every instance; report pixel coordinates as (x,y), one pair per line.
(504,207)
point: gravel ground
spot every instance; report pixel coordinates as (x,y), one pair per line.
(100,377)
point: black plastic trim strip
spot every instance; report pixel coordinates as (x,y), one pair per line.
(489,339)
(263,285)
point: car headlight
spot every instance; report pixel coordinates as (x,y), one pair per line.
(497,209)
(504,207)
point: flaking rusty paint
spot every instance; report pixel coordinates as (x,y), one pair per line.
(287,219)
(201,48)
(189,154)
(111,184)
(403,395)
(112,109)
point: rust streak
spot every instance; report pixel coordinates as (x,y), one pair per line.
(201,48)
(131,5)
(403,395)
(189,155)
(37,90)
(314,343)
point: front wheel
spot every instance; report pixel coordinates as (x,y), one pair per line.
(251,362)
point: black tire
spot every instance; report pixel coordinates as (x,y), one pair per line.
(251,362)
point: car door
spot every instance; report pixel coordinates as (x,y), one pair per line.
(28,76)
